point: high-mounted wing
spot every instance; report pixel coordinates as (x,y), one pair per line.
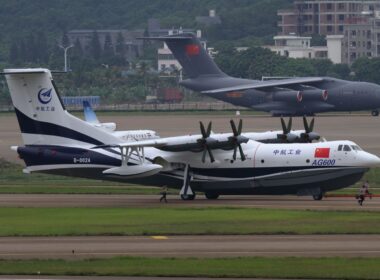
(205,142)
(267,84)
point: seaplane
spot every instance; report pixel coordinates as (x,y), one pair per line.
(56,142)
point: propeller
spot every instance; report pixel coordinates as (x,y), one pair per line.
(237,139)
(286,131)
(309,135)
(206,141)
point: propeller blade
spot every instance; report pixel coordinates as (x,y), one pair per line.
(311,125)
(210,154)
(209,129)
(283,125)
(241,153)
(233,127)
(234,155)
(290,122)
(204,156)
(240,127)
(305,124)
(203,130)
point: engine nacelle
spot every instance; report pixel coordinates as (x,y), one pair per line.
(135,171)
(288,96)
(315,95)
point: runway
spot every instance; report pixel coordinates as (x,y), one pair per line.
(190,246)
(95,200)
(33,277)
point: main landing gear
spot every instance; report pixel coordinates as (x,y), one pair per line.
(375,113)
(318,196)
(186,192)
(211,195)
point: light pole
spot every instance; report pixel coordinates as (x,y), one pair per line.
(65,49)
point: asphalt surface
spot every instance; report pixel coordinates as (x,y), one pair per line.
(33,277)
(118,200)
(190,246)
(362,129)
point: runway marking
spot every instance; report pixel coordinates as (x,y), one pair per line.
(159,237)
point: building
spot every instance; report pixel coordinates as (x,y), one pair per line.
(211,19)
(362,38)
(133,47)
(300,47)
(297,47)
(324,17)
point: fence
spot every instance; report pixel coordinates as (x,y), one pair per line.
(186,106)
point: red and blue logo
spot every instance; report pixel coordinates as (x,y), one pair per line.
(44,95)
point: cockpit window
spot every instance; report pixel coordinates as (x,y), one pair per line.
(346,148)
(340,147)
(356,148)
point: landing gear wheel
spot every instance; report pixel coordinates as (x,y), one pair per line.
(375,113)
(209,195)
(187,196)
(318,196)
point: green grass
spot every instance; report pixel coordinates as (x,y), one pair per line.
(288,267)
(165,220)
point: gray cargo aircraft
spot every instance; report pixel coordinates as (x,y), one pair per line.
(293,96)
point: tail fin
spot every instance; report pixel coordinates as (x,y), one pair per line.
(41,114)
(89,114)
(192,56)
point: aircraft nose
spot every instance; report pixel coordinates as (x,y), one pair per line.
(370,160)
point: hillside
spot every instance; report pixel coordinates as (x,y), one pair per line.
(240,18)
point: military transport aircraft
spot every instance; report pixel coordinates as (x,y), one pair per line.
(57,142)
(294,96)
(127,135)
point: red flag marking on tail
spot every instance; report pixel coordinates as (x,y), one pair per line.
(192,49)
(322,153)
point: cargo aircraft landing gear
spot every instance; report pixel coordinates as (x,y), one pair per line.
(186,192)
(375,113)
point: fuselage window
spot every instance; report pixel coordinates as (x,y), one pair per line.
(340,147)
(346,148)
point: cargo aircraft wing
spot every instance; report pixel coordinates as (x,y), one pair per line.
(267,84)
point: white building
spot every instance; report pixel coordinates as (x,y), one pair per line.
(300,47)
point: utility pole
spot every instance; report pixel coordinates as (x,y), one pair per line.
(65,49)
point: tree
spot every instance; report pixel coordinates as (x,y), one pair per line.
(42,49)
(14,53)
(120,45)
(31,49)
(65,41)
(367,69)
(96,50)
(108,51)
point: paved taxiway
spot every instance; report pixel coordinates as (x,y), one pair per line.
(94,200)
(190,246)
(30,277)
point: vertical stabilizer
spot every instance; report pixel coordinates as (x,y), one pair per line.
(41,114)
(192,56)
(89,114)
